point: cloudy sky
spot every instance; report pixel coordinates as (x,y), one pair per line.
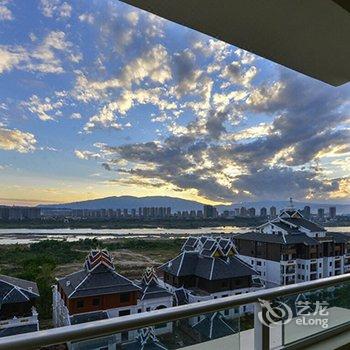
(98,99)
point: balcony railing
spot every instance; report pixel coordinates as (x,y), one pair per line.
(263,336)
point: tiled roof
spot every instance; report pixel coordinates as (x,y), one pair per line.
(181,296)
(150,286)
(279,238)
(339,237)
(301,222)
(213,326)
(15,290)
(96,279)
(6,332)
(146,340)
(88,317)
(194,264)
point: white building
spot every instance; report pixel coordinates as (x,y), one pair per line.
(291,249)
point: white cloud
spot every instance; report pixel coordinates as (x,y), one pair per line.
(16,140)
(153,64)
(75,116)
(132,17)
(107,117)
(11,57)
(42,58)
(51,8)
(253,132)
(41,108)
(86,155)
(87,17)
(5,12)
(236,73)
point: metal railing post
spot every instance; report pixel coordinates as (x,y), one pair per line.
(261,330)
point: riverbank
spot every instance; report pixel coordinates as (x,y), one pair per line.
(132,224)
(145,224)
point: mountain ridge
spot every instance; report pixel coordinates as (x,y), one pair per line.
(179,204)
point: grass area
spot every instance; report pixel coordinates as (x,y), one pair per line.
(132,223)
(43,261)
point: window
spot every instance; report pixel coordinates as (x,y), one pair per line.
(124,297)
(96,301)
(258,263)
(124,313)
(80,304)
(227,312)
(148,309)
(125,336)
(139,311)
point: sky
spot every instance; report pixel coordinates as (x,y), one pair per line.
(98,99)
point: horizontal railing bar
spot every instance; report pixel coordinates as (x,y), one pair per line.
(114,325)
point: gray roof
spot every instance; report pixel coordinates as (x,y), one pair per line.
(88,317)
(16,290)
(6,332)
(285,227)
(181,297)
(214,326)
(301,222)
(297,238)
(210,268)
(153,290)
(146,340)
(339,237)
(102,280)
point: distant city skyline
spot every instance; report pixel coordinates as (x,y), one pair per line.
(101,99)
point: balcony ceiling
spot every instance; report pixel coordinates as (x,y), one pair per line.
(309,36)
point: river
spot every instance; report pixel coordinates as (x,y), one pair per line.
(26,236)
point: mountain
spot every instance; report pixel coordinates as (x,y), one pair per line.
(178,204)
(130,202)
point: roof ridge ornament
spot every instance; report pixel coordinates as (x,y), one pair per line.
(149,276)
(98,257)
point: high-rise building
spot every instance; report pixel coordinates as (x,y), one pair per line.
(263,212)
(243,211)
(332,212)
(210,212)
(307,212)
(19,213)
(273,212)
(251,212)
(320,213)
